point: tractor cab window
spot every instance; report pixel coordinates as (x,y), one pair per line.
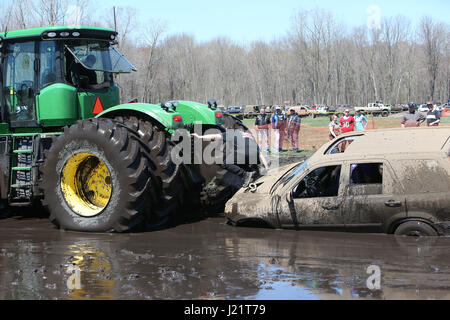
(19,81)
(91,63)
(47,57)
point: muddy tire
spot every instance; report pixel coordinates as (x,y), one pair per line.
(96,178)
(215,194)
(170,185)
(232,122)
(217,190)
(416,229)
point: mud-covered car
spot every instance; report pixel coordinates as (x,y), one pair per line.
(393,181)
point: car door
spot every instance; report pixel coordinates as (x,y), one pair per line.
(373,196)
(315,199)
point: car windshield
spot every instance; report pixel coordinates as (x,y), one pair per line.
(99,56)
(290,174)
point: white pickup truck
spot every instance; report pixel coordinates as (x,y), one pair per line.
(377,108)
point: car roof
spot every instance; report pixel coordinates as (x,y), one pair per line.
(388,143)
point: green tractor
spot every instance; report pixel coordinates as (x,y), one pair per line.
(66,141)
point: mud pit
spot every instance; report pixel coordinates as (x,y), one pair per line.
(211,260)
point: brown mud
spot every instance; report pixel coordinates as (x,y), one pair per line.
(209,259)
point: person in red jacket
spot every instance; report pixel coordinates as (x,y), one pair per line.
(347,125)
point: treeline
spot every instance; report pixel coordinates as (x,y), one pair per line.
(318,61)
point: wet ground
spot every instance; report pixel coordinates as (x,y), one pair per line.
(209,259)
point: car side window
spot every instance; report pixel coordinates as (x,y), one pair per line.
(322,182)
(340,145)
(366,179)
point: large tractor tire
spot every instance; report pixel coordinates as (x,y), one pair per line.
(217,189)
(97,178)
(170,183)
(232,122)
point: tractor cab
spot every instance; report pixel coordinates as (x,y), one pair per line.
(53,76)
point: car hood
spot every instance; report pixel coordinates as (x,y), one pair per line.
(264,184)
(255,202)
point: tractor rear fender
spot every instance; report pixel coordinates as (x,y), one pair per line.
(168,119)
(196,112)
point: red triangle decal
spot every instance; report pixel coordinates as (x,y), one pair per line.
(98,107)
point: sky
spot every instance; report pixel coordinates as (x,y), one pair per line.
(250,20)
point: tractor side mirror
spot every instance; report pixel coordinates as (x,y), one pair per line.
(212,104)
(165,106)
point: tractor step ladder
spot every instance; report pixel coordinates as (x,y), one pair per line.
(21,168)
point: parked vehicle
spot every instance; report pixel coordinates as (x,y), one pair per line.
(251,111)
(384,187)
(423,108)
(304,111)
(341,109)
(322,110)
(235,109)
(377,108)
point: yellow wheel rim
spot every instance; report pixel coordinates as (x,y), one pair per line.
(86,184)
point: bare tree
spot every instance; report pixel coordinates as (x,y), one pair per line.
(318,60)
(431,34)
(52,12)
(152,38)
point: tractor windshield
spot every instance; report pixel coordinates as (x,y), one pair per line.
(99,56)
